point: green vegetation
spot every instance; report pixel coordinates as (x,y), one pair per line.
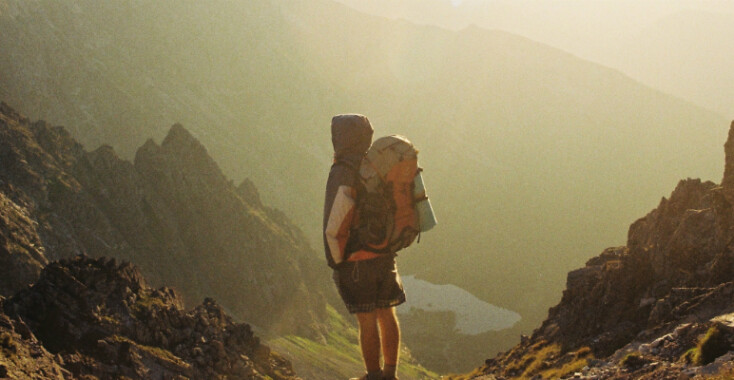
(145,302)
(713,345)
(632,360)
(339,356)
(543,359)
(692,356)
(540,358)
(566,370)
(550,368)
(311,359)
(583,352)
(710,347)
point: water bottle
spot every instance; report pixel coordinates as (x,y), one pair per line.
(426,217)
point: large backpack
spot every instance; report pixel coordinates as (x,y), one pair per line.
(386,216)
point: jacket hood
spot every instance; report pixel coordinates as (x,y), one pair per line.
(351,135)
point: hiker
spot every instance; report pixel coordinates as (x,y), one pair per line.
(367,282)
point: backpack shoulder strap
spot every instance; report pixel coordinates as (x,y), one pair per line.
(348,164)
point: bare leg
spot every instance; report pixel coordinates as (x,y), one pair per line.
(390,333)
(369,340)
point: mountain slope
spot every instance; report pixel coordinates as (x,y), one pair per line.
(532,156)
(172,211)
(175,213)
(659,307)
(680,47)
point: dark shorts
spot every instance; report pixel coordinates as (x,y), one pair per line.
(369,284)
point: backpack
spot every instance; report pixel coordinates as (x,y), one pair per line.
(386,216)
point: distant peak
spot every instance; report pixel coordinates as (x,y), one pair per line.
(105,149)
(178,135)
(104,152)
(149,146)
(181,143)
(104,157)
(182,150)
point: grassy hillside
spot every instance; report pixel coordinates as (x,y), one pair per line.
(338,356)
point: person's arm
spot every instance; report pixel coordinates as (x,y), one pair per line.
(336,230)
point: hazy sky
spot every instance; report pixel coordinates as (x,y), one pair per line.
(682,47)
(538,16)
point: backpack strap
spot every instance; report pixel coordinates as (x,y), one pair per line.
(346,163)
(382,179)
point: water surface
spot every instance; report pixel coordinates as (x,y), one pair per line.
(473,316)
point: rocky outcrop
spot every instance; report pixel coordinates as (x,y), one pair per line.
(97,318)
(660,307)
(172,212)
(728,180)
(22,356)
(21,250)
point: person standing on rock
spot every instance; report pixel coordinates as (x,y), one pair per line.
(367,282)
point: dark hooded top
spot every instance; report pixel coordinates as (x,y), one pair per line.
(351,136)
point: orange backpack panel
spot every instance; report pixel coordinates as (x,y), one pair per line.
(386,216)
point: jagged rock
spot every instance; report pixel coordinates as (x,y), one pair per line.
(21,250)
(172,212)
(644,309)
(22,355)
(728,180)
(83,310)
(249,193)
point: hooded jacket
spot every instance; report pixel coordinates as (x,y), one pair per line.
(351,136)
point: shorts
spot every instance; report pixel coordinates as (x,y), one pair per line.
(367,285)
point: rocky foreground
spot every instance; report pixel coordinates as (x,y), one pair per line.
(97,318)
(661,307)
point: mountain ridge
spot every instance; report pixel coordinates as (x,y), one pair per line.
(543,136)
(659,307)
(172,210)
(175,214)
(642,39)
